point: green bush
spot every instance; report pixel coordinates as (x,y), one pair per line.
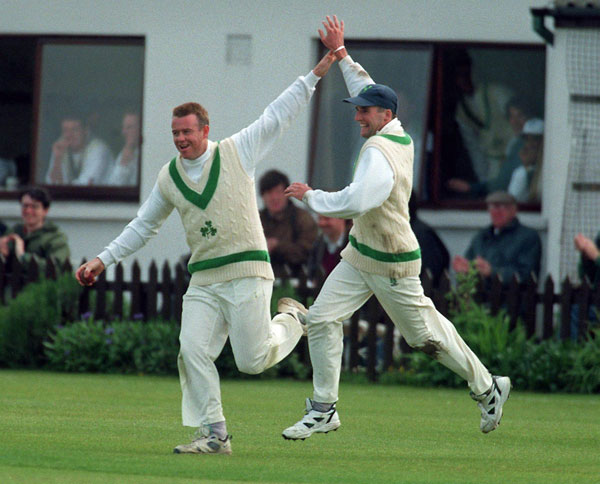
(138,347)
(550,365)
(118,347)
(26,320)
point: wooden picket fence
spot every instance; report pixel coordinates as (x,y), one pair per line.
(543,313)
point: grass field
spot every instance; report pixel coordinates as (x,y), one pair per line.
(67,428)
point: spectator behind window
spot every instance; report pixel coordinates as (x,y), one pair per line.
(125,169)
(77,157)
(525,181)
(290,230)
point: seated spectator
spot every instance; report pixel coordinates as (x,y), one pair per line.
(434,255)
(325,253)
(525,181)
(290,230)
(517,112)
(506,247)
(78,158)
(125,170)
(589,267)
(35,238)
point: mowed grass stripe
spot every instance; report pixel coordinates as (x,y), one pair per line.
(109,428)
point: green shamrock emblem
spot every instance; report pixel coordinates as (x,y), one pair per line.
(208,230)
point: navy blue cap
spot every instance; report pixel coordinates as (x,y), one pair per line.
(376,95)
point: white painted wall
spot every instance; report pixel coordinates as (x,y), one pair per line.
(185,60)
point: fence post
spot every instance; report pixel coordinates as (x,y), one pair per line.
(548,308)
(151,292)
(32,272)
(495,294)
(584,306)
(84,298)
(16,280)
(50,269)
(388,348)
(529,304)
(2,280)
(441,302)
(136,291)
(166,293)
(180,285)
(427,282)
(513,300)
(354,341)
(566,295)
(100,296)
(118,292)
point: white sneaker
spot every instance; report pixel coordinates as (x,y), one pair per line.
(491,403)
(210,444)
(313,421)
(294,309)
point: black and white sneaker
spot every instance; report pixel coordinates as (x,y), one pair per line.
(491,403)
(313,422)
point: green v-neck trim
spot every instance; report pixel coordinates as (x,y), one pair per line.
(201,200)
(403,140)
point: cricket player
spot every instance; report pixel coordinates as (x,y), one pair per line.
(211,184)
(382,258)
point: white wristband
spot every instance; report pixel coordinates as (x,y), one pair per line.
(339,48)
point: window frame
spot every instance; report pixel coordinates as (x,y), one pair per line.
(433,116)
(70,192)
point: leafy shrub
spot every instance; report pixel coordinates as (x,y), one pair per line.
(550,365)
(26,320)
(138,347)
(118,347)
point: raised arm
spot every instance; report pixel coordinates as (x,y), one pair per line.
(255,141)
(355,76)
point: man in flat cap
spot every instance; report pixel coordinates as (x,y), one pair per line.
(506,247)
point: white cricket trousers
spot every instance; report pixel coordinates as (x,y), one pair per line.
(346,290)
(239,309)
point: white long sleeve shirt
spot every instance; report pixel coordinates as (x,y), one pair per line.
(373,180)
(252,143)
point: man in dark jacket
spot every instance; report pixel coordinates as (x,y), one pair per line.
(290,230)
(505,247)
(35,238)
(434,255)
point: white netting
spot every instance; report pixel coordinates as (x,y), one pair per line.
(582,200)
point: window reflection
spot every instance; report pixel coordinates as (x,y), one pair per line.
(89,115)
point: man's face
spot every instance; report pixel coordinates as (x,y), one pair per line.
(371,119)
(74,134)
(274,199)
(33,212)
(131,129)
(331,227)
(189,137)
(516,119)
(502,214)
(464,80)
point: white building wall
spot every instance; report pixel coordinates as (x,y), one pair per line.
(185,60)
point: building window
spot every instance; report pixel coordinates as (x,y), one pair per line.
(463,105)
(74,113)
